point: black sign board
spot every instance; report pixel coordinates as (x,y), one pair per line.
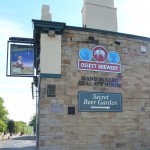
(99,102)
(51,90)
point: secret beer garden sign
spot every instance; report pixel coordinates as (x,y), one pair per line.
(97,101)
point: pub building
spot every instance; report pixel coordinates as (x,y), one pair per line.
(93,82)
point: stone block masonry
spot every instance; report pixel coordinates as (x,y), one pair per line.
(126,130)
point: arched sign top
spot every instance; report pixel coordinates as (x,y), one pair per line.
(113,57)
(100,54)
(85,54)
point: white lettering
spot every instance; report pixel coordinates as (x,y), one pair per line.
(88,65)
(110,103)
(87,102)
(108,67)
(100,66)
(95,96)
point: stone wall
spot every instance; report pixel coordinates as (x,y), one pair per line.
(126,130)
(4,137)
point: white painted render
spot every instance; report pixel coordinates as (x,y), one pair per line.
(99,14)
(45,14)
(50,55)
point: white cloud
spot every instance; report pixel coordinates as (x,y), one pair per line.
(20,107)
(133,16)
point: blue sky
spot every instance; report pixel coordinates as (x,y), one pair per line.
(16,20)
(25,10)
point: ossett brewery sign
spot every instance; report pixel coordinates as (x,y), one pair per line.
(99,59)
(97,101)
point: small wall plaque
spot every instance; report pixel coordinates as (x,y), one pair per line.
(143,49)
(57,108)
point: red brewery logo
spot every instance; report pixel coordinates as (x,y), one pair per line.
(99,59)
(100,54)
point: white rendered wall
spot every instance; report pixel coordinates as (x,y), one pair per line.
(45,14)
(50,55)
(99,14)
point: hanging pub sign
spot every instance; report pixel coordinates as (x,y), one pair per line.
(21,59)
(99,102)
(99,59)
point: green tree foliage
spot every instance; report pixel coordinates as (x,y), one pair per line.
(11,126)
(20,126)
(17,127)
(33,123)
(29,130)
(3,116)
(3,126)
(3,111)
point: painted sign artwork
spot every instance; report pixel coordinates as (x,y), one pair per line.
(99,59)
(22,60)
(99,102)
(100,54)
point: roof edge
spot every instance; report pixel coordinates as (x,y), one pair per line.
(108,32)
(44,26)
